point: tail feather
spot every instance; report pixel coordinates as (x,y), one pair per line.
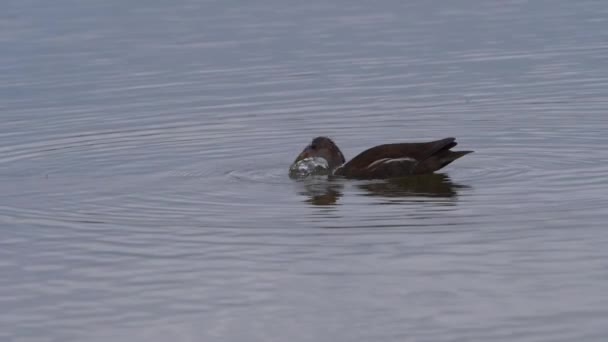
(438,161)
(449,156)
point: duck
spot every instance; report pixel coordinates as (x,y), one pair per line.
(385,161)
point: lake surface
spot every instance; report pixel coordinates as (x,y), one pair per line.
(144,149)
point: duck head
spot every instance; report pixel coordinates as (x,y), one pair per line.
(323,147)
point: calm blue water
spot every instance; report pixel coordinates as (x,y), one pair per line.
(144,150)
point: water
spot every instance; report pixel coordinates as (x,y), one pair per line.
(144,155)
(309,168)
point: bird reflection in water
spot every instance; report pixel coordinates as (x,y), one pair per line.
(322,190)
(325,191)
(432,185)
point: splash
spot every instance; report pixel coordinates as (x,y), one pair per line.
(309,167)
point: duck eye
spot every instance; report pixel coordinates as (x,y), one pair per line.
(313,146)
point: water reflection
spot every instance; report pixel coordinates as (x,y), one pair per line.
(322,190)
(327,191)
(433,185)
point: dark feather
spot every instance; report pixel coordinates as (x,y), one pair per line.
(401,159)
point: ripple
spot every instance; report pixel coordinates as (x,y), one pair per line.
(144,155)
(270,176)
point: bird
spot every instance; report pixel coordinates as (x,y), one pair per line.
(385,161)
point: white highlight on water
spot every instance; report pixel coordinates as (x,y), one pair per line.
(309,166)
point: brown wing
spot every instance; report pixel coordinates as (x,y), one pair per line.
(393,160)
